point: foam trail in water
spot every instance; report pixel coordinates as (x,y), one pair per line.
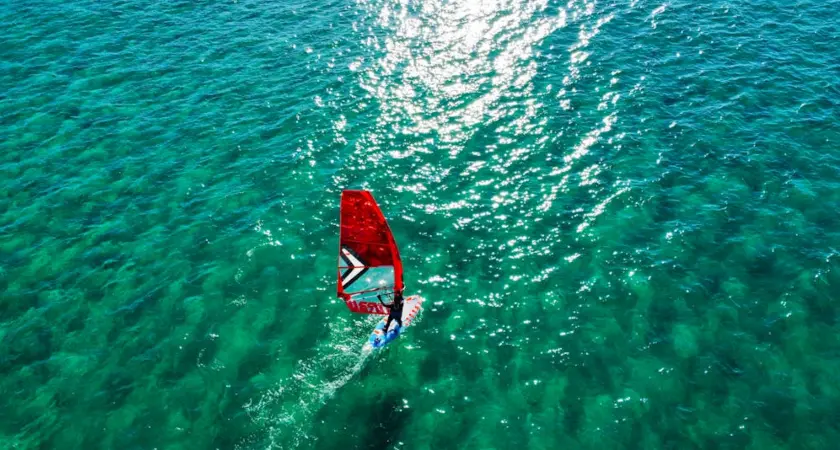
(284,413)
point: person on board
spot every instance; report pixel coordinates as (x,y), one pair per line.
(395,309)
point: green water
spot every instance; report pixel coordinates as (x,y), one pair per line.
(623,216)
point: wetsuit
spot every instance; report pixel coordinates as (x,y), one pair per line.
(395,311)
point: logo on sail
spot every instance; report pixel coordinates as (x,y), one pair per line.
(354,264)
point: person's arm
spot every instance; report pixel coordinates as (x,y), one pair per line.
(379,296)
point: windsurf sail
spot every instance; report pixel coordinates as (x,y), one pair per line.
(368,260)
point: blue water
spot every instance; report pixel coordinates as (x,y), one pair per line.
(622,215)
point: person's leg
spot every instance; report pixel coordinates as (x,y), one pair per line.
(387,324)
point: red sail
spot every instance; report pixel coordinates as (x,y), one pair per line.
(368,260)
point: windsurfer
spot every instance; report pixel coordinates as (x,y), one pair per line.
(395,310)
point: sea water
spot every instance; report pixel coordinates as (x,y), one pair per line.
(623,216)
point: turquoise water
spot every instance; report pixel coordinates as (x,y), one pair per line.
(623,216)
